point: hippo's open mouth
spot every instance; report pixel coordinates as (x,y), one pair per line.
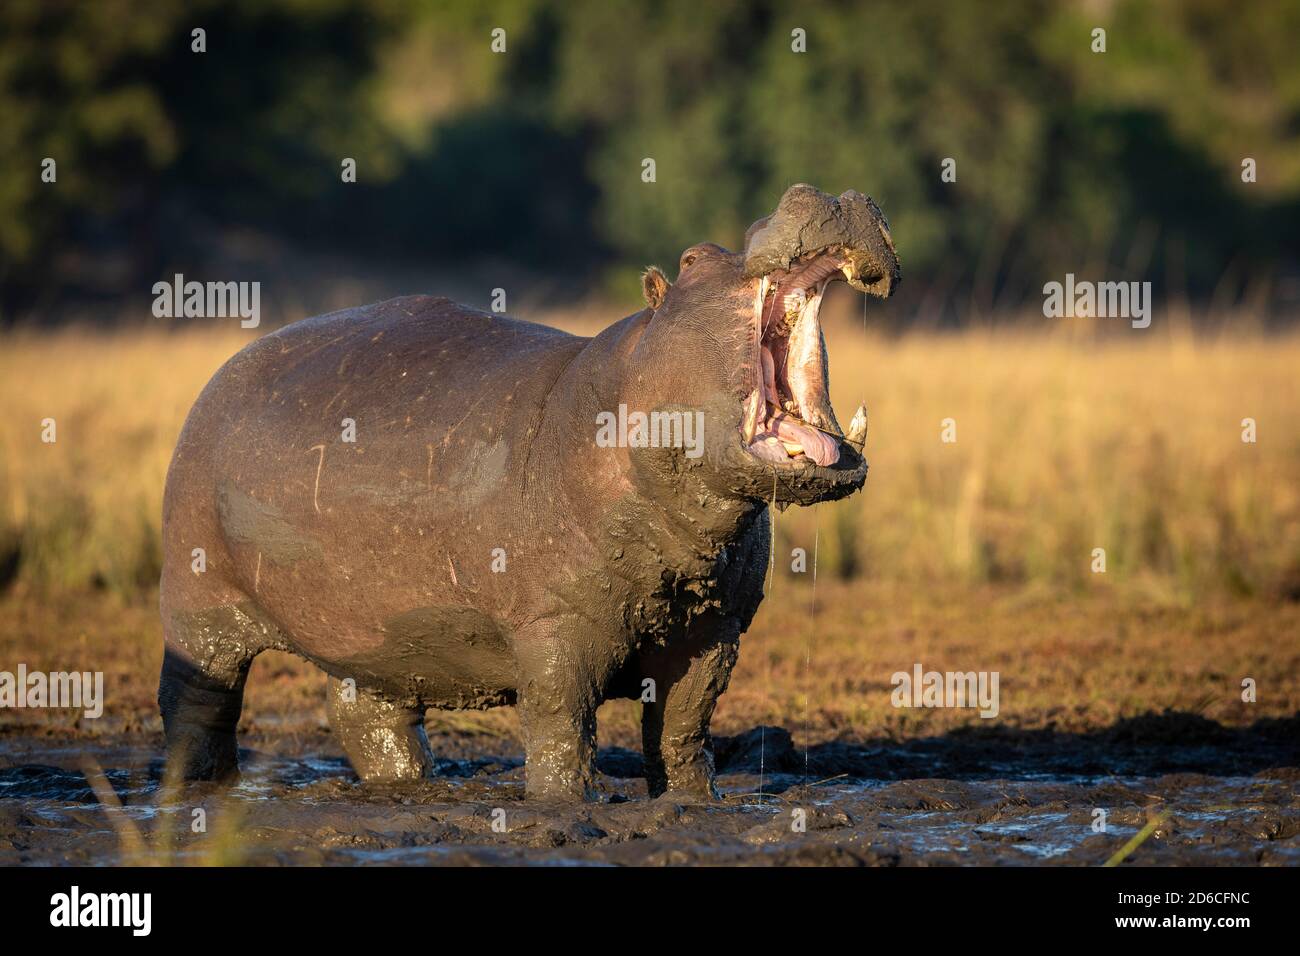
(811,239)
(788,418)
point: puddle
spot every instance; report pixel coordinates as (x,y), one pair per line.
(298,802)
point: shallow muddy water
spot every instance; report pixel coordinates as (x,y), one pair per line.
(1223,797)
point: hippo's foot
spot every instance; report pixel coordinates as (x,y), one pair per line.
(384,740)
(554,771)
(679,768)
(695,786)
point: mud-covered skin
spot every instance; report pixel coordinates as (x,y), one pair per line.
(807,219)
(381,559)
(384,740)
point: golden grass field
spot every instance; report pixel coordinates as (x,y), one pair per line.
(971,555)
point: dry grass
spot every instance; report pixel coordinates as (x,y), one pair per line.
(1132,444)
(1075,667)
(86,510)
(972,555)
(1127,443)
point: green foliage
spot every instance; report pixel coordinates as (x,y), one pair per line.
(1066,158)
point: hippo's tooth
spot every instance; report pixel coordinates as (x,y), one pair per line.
(808,370)
(753,415)
(857,435)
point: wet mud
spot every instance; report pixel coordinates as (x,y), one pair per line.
(1221,796)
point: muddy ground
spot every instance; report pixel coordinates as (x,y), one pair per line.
(1222,795)
(1105,705)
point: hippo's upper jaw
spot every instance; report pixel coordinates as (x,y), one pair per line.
(787,421)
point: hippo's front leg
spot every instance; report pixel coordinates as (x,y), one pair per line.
(689,679)
(558,693)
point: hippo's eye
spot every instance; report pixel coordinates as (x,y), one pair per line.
(694,253)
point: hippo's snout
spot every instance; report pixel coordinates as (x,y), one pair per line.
(809,224)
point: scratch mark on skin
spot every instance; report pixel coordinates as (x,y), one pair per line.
(257,573)
(451,567)
(337,395)
(285,350)
(446,441)
(315,494)
(428,470)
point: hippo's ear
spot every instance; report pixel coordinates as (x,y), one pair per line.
(654,286)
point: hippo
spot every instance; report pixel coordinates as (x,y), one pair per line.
(414,495)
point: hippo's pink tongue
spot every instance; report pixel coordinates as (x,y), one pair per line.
(817,446)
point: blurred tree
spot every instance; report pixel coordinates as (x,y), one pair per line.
(146,132)
(1065,159)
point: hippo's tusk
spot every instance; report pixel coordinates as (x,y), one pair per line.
(857,436)
(753,415)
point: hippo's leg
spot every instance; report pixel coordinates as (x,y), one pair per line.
(384,740)
(557,701)
(206,656)
(689,679)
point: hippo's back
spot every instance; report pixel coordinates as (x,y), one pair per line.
(425,352)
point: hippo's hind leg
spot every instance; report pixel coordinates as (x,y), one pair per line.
(384,740)
(689,679)
(206,656)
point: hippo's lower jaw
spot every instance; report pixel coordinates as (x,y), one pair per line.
(787,419)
